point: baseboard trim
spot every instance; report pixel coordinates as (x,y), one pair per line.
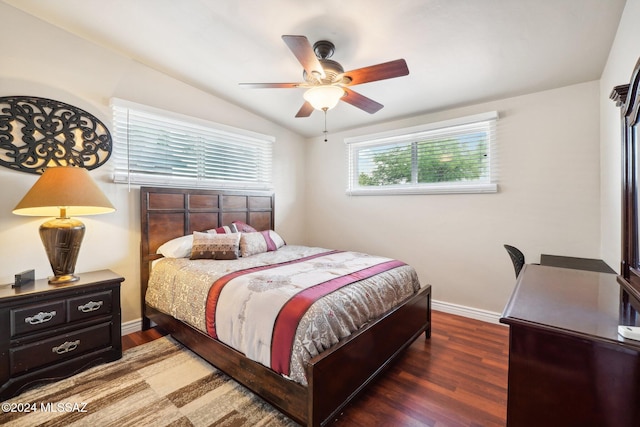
(447,307)
(131,326)
(461,310)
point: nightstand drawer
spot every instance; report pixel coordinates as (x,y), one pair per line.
(59,348)
(91,305)
(36,317)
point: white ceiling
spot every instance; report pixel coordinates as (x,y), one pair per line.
(459,52)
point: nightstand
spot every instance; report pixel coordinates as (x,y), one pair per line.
(49,332)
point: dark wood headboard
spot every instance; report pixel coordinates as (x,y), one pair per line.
(167,213)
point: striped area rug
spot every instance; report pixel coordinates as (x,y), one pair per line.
(160,383)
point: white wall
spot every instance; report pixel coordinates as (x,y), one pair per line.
(548,200)
(622,59)
(41,60)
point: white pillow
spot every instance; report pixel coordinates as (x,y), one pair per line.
(180,247)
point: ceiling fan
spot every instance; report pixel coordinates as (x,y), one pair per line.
(326,81)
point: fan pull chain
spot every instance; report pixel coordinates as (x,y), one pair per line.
(325,124)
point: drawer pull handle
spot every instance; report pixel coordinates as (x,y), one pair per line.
(90,306)
(41,317)
(66,347)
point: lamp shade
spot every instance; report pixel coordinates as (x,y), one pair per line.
(324,97)
(64,187)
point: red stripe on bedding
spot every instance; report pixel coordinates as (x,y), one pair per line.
(289,317)
(218,285)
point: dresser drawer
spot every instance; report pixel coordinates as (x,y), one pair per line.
(36,317)
(59,348)
(86,306)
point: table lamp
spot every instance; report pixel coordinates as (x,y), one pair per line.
(63,191)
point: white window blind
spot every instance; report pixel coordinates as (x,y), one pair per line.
(453,156)
(153,146)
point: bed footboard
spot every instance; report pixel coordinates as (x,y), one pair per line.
(336,378)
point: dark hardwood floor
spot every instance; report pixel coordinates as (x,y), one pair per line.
(140,337)
(458,377)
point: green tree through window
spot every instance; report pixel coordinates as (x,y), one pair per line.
(391,167)
(449,160)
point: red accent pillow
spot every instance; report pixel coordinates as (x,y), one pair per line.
(242,227)
(222,230)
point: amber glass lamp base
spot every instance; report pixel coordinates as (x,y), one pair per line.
(61,238)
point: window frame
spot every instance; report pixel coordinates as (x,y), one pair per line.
(211,136)
(411,135)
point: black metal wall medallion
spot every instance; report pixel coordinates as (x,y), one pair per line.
(39,132)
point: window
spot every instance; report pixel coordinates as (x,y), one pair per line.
(157,147)
(453,156)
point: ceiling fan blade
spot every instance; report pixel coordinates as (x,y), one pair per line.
(386,70)
(270,85)
(302,49)
(305,110)
(361,101)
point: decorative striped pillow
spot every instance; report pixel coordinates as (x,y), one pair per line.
(259,242)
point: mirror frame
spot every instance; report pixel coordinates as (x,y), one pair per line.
(627,97)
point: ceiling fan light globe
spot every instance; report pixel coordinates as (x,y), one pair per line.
(324,97)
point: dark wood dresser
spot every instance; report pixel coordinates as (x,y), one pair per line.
(48,332)
(567,364)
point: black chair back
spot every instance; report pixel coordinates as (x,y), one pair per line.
(517,258)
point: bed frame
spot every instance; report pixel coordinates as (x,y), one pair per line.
(334,377)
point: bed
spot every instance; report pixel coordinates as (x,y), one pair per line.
(333,377)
